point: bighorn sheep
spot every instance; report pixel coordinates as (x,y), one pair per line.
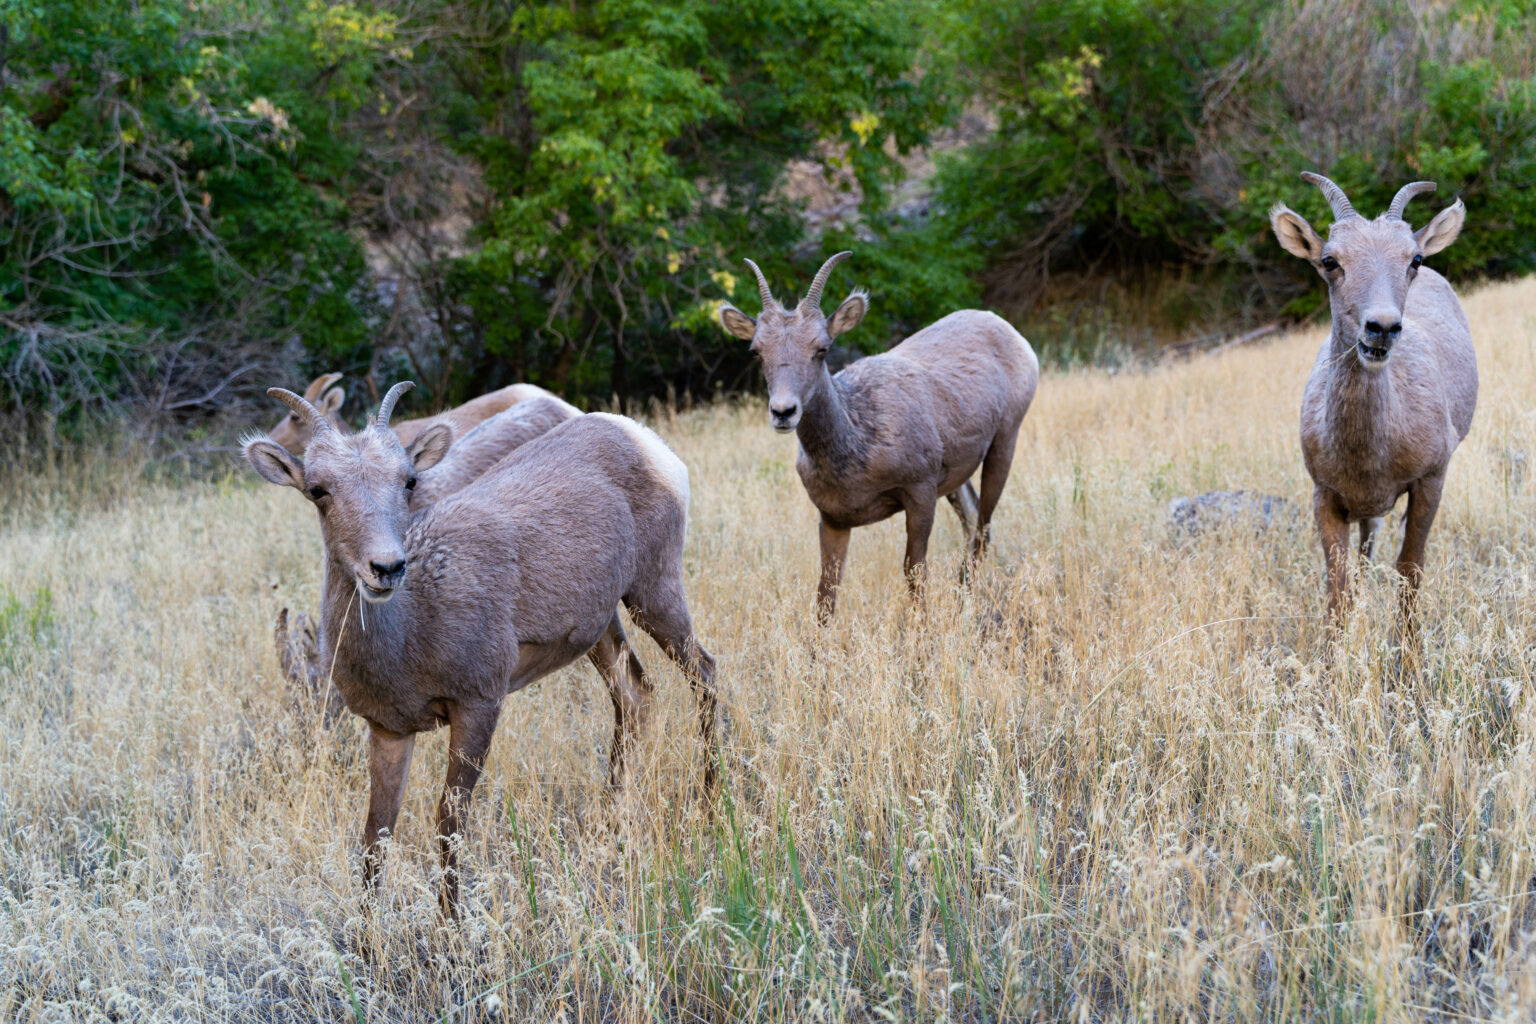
(436,617)
(897,431)
(293,433)
(1394,387)
(298,646)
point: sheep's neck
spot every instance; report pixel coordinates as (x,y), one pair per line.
(1359,401)
(354,632)
(828,435)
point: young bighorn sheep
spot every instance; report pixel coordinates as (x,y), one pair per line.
(293,433)
(435,617)
(1393,389)
(897,431)
(298,646)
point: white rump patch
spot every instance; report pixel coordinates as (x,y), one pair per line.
(669,468)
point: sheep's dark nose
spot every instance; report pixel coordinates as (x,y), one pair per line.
(1384,327)
(388,573)
(784,412)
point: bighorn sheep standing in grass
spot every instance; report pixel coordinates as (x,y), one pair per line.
(897,431)
(436,617)
(1393,389)
(298,645)
(293,433)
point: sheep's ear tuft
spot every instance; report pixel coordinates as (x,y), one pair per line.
(428,447)
(1295,234)
(848,314)
(737,322)
(1441,231)
(274,463)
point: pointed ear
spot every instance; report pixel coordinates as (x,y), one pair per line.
(847,316)
(1441,231)
(273,462)
(429,446)
(1295,234)
(332,401)
(737,322)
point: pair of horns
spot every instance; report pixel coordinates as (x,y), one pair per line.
(311,416)
(1342,209)
(812,298)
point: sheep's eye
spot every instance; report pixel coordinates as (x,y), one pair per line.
(410,484)
(316,493)
(1330,264)
(1418,261)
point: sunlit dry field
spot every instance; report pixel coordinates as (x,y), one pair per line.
(1116,779)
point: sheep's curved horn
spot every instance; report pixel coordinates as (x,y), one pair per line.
(387,407)
(1337,200)
(813,296)
(762,285)
(306,412)
(318,386)
(1407,192)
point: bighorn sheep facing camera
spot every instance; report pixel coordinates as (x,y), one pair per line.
(1393,389)
(435,617)
(293,431)
(298,646)
(897,431)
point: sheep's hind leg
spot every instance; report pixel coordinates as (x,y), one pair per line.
(663,613)
(995,468)
(964,501)
(629,690)
(1370,529)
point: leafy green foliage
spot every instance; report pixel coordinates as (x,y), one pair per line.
(634,152)
(1136,135)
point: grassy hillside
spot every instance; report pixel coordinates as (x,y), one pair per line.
(1113,781)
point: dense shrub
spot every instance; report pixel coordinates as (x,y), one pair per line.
(1139,139)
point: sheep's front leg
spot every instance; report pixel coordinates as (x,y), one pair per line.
(1333,529)
(469,736)
(919,509)
(389,758)
(1423,503)
(834,550)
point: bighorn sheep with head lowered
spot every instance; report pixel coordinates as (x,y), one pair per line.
(293,433)
(298,646)
(435,617)
(897,431)
(1393,388)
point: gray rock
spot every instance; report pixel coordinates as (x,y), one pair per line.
(1217,509)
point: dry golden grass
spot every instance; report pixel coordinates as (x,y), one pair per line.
(1112,781)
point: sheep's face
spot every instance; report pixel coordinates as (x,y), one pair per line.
(292,432)
(360,484)
(792,345)
(1369,266)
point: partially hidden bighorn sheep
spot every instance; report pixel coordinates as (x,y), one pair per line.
(893,432)
(298,644)
(435,617)
(293,433)
(1394,387)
